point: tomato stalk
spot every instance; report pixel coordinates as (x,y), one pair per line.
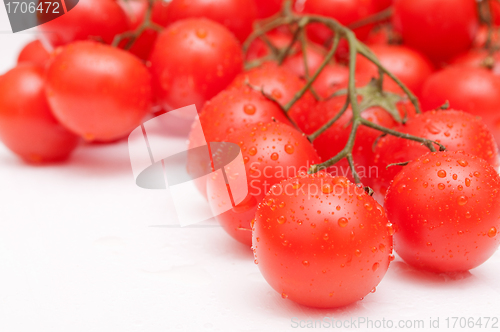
(132,36)
(385,99)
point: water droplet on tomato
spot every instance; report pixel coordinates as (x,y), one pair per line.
(281,220)
(252,151)
(391,257)
(463,163)
(325,236)
(289,148)
(249,109)
(467,182)
(284,296)
(492,232)
(441,186)
(327,188)
(374,289)
(275,156)
(256,261)
(381,247)
(462,200)
(201,33)
(368,206)
(375,266)
(441,173)
(390,229)
(343,222)
(305,263)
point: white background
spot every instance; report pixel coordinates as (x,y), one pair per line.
(78,253)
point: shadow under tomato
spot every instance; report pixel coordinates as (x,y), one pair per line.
(412,275)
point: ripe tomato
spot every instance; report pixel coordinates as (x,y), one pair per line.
(34,52)
(266,8)
(454,129)
(479,58)
(295,61)
(331,79)
(383,34)
(441,29)
(410,66)
(473,90)
(334,139)
(136,11)
(482,37)
(321,241)
(97,91)
(236,15)
(280,84)
(206,59)
(445,210)
(495,9)
(224,114)
(96,19)
(27,126)
(272,152)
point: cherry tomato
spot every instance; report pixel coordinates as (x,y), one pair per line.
(321,241)
(410,66)
(280,84)
(441,29)
(27,126)
(236,15)
(34,52)
(454,129)
(495,11)
(383,34)
(445,210)
(136,11)
(206,59)
(479,58)
(331,79)
(482,37)
(272,152)
(224,114)
(473,90)
(266,8)
(97,91)
(96,19)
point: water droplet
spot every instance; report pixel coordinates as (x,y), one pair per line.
(357,252)
(281,220)
(390,229)
(275,156)
(249,109)
(391,257)
(252,151)
(468,215)
(305,263)
(463,163)
(374,249)
(381,247)
(327,188)
(201,33)
(462,200)
(289,148)
(368,206)
(374,289)
(492,232)
(425,184)
(256,261)
(467,182)
(429,244)
(282,205)
(375,267)
(325,236)
(343,222)
(441,173)
(284,296)
(477,174)
(441,186)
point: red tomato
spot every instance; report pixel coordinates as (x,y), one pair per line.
(479,58)
(136,11)
(266,8)
(454,129)
(34,52)
(236,15)
(332,78)
(441,29)
(495,11)
(97,91)
(295,61)
(224,114)
(95,19)
(445,210)
(27,126)
(344,11)
(473,90)
(482,37)
(206,59)
(272,152)
(321,241)
(280,84)
(411,67)
(334,139)
(383,34)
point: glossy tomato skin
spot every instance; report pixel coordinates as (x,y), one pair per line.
(97,91)
(331,79)
(236,15)
(410,66)
(444,207)
(479,58)
(321,241)
(34,52)
(27,126)
(457,131)
(280,84)
(266,8)
(473,90)
(441,29)
(272,152)
(225,114)
(99,19)
(192,61)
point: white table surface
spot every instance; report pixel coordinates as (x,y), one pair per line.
(78,253)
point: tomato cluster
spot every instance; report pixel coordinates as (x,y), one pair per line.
(324,99)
